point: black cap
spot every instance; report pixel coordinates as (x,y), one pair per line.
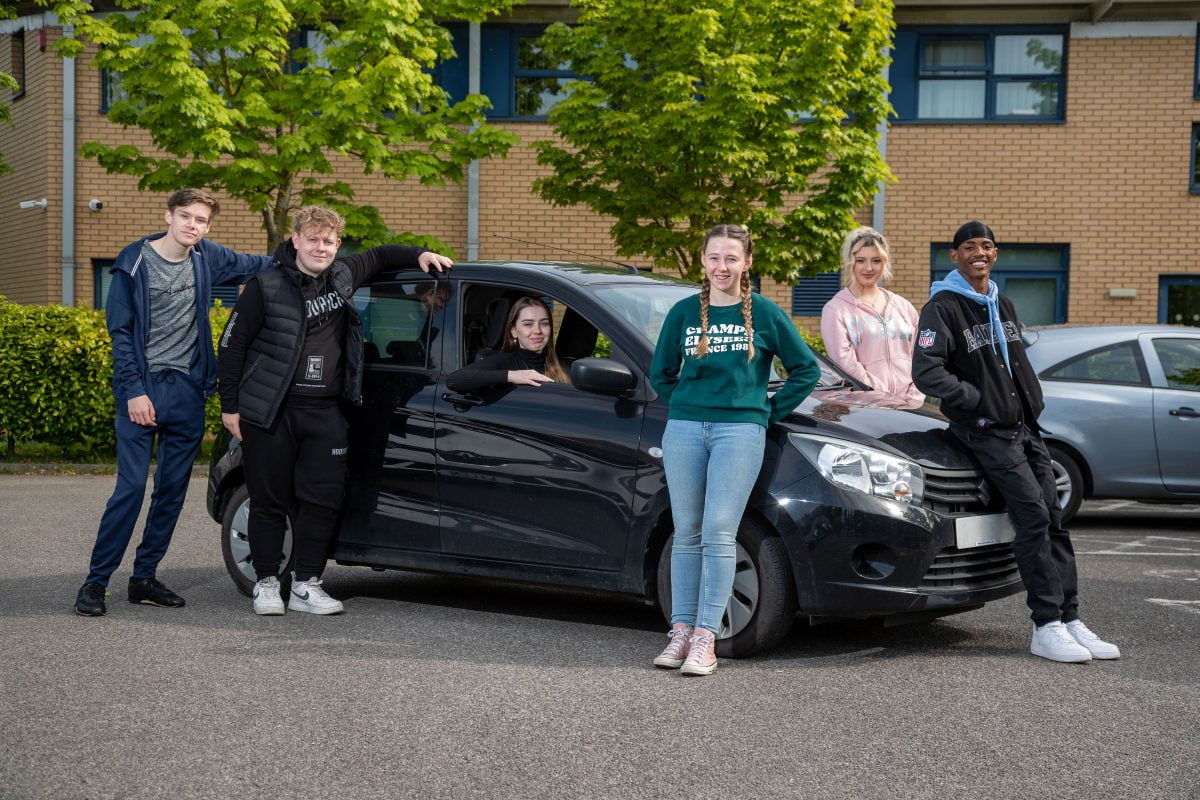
(973,230)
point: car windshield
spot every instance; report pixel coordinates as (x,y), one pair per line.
(646,306)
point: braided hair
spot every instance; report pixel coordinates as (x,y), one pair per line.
(738,234)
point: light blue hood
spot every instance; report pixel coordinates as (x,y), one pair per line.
(955,282)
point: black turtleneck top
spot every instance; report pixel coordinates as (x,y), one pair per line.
(493,370)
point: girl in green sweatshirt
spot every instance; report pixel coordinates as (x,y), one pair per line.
(712,366)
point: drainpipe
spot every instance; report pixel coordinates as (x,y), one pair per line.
(877,216)
(68,176)
(473,83)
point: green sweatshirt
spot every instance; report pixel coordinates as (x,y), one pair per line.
(724,386)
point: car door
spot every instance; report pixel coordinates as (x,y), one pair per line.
(1175,370)
(392,493)
(537,475)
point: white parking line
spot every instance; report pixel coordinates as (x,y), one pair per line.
(1161,544)
(1192,606)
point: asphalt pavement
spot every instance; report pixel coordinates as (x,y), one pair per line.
(432,687)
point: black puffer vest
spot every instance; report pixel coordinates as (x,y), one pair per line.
(272,357)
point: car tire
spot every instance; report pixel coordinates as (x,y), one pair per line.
(235,544)
(1068,478)
(762,607)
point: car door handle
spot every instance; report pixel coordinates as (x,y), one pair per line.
(1185,411)
(463,400)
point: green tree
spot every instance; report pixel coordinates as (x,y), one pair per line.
(698,113)
(234,103)
(7,84)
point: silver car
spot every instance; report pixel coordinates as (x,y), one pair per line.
(1122,416)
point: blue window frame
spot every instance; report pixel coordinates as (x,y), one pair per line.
(516,74)
(1195,171)
(16,62)
(810,295)
(1179,299)
(1034,276)
(1196,69)
(979,74)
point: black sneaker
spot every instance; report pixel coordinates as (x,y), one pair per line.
(90,600)
(152,592)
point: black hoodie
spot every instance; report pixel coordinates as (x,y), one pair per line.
(298,338)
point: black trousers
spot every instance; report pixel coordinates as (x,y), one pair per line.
(1018,465)
(300,462)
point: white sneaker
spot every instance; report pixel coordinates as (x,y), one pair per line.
(1052,641)
(310,597)
(266,598)
(1094,644)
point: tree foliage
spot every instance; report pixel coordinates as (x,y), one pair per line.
(7,84)
(700,113)
(234,103)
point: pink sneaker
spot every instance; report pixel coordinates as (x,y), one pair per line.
(676,650)
(701,658)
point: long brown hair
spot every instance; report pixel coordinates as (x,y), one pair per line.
(553,366)
(738,234)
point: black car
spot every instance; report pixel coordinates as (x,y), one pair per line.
(863,508)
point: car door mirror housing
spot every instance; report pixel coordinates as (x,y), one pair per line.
(602,376)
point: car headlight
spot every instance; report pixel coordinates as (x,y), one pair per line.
(863,468)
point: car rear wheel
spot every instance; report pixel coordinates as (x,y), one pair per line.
(235,543)
(1068,479)
(762,605)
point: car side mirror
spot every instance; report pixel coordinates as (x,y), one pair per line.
(602,376)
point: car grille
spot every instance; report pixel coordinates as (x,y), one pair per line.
(959,491)
(974,568)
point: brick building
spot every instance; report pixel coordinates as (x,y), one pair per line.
(1073,128)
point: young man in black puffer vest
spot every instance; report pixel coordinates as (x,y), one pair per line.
(290,355)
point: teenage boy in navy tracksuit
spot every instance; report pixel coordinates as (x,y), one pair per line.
(969,353)
(163,368)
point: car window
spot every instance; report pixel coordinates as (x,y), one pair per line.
(644,307)
(397,322)
(1180,359)
(1121,363)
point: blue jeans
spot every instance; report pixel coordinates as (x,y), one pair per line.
(711,467)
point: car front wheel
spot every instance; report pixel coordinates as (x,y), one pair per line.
(1068,480)
(235,543)
(762,605)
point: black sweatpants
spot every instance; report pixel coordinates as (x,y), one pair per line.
(300,460)
(1019,467)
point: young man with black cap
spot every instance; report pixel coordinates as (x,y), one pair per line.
(290,355)
(969,353)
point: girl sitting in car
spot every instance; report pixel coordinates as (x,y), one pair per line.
(527,357)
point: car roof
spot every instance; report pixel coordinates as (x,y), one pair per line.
(575,272)
(1049,345)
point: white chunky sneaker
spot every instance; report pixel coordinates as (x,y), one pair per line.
(266,598)
(1094,644)
(1052,641)
(310,597)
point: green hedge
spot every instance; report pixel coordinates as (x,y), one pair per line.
(56,378)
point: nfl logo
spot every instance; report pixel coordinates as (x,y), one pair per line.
(926,339)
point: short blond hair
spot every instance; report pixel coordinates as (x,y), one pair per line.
(856,240)
(320,218)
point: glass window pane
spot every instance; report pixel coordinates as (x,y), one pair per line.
(1034,54)
(1027,99)
(969,54)
(536,96)
(1180,359)
(951,99)
(1117,364)
(1183,305)
(396,321)
(1035,299)
(530,55)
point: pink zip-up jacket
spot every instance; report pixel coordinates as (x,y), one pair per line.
(874,348)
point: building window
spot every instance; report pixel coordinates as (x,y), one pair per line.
(1033,276)
(16,62)
(1196,69)
(1195,172)
(810,295)
(979,75)
(1179,299)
